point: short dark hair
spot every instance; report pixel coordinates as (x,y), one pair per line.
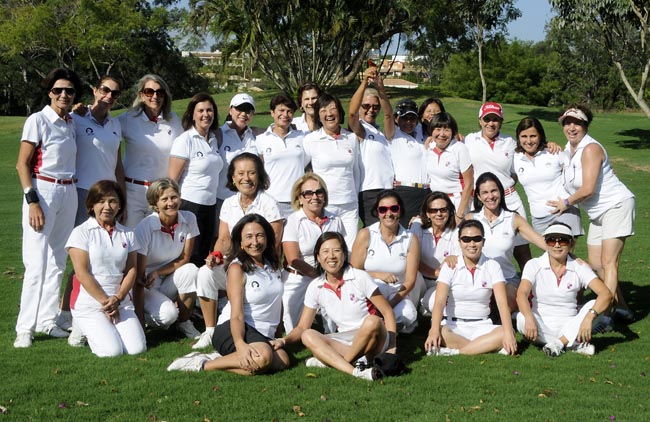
(308,86)
(188,116)
(444,120)
(426,103)
(470,223)
(269,254)
(584,109)
(387,193)
(113,78)
(282,99)
(101,189)
(324,100)
(489,177)
(451,210)
(63,73)
(263,181)
(527,123)
(324,238)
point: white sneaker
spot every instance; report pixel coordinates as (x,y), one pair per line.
(64,320)
(23,340)
(362,362)
(314,363)
(553,349)
(192,362)
(213,355)
(587,349)
(205,340)
(76,338)
(370,374)
(443,351)
(55,331)
(503,351)
(188,329)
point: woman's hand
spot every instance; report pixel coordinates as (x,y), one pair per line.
(530,330)
(247,355)
(386,277)
(509,342)
(451,261)
(278,343)
(214,258)
(111,307)
(433,339)
(36,216)
(584,332)
(150,279)
(560,205)
(553,148)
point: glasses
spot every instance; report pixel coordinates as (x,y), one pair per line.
(375,107)
(115,93)
(437,210)
(308,194)
(491,118)
(149,92)
(563,241)
(59,91)
(393,208)
(244,109)
(475,239)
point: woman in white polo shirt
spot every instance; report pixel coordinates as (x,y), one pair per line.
(195,163)
(308,93)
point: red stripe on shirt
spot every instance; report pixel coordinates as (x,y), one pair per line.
(76,287)
(37,160)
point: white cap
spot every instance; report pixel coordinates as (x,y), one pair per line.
(240,99)
(558,229)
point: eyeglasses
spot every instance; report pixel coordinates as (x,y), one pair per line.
(245,109)
(115,93)
(59,91)
(393,208)
(563,241)
(149,92)
(475,239)
(437,210)
(375,107)
(491,118)
(308,194)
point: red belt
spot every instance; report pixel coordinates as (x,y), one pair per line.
(413,185)
(509,191)
(138,182)
(53,180)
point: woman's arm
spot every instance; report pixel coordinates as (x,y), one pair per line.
(36,215)
(278,228)
(603,302)
(509,341)
(523,293)
(223,244)
(386,310)
(355,103)
(236,279)
(138,288)
(529,233)
(176,167)
(412,265)
(466,195)
(360,249)
(182,259)
(292,257)
(389,121)
(434,340)
(306,319)
(592,159)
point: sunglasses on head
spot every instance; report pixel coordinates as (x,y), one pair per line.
(308,194)
(475,239)
(59,91)
(104,90)
(393,208)
(437,210)
(375,107)
(563,241)
(149,92)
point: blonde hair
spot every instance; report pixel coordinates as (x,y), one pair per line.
(156,189)
(297,188)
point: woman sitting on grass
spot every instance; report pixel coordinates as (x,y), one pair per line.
(249,320)
(464,294)
(555,279)
(352,300)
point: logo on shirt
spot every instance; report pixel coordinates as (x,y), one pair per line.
(89,131)
(123,245)
(447,164)
(255,285)
(507,154)
(352,297)
(350,151)
(227,148)
(199,154)
(520,170)
(371,252)
(169,132)
(182,239)
(484,284)
(569,286)
(297,146)
(268,151)
(371,137)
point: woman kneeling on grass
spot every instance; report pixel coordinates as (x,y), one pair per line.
(249,321)
(352,300)
(464,294)
(555,279)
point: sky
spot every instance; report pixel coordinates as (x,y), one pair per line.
(530,26)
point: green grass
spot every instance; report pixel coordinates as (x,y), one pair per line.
(51,381)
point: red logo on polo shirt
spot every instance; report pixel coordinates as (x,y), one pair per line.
(124,245)
(352,297)
(484,284)
(182,239)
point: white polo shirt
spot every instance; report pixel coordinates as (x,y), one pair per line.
(231,147)
(337,161)
(497,158)
(553,296)
(407,155)
(500,240)
(541,178)
(200,177)
(263,204)
(97,148)
(469,295)
(262,300)
(445,168)
(348,305)
(433,251)
(284,160)
(54,140)
(107,256)
(147,144)
(299,228)
(376,164)
(159,247)
(388,258)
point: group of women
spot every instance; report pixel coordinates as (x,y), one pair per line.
(210,211)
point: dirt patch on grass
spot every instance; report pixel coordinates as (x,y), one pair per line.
(636,167)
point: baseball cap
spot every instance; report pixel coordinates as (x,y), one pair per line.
(558,229)
(240,99)
(490,108)
(406,106)
(575,113)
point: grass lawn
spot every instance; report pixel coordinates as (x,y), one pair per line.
(52,381)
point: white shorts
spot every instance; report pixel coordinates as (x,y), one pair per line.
(617,221)
(570,217)
(346,338)
(470,330)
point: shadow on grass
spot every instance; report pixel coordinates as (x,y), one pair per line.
(642,141)
(541,114)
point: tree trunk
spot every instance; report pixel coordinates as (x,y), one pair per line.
(638,97)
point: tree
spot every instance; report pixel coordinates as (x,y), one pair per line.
(324,41)
(623,27)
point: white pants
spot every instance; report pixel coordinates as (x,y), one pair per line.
(107,339)
(44,256)
(210,280)
(159,307)
(293,298)
(349,215)
(514,203)
(553,327)
(405,311)
(136,204)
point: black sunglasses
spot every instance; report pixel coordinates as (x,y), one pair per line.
(367,107)
(437,210)
(149,92)
(475,239)
(104,90)
(59,91)
(563,241)
(308,194)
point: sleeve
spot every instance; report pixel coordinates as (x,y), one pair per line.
(416,228)
(530,271)
(494,272)
(585,274)
(463,157)
(78,238)
(290,233)
(31,131)
(181,147)
(270,209)
(143,237)
(225,213)
(366,282)
(446,274)
(306,145)
(133,243)
(311,295)
(193,228)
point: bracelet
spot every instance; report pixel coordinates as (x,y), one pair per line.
(118,299)
(460,216)
(593,311)
(566,202)
(217,254)
(31,197)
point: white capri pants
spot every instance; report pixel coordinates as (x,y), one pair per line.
(107,339)
(405,312)
(136,204)
(470,330)
(159,307)
(349,215)
(553,327)
(293,298)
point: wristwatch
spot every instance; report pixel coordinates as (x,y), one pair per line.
(30,195)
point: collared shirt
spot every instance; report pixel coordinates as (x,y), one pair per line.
(97,148)
(383,257)
(263,204)
(497,158)
(445,168)
(434,251)
(376,164)
(54,140)
(541,178)
(301,229)
(407,155)
(200,178)
(500,240)
(231,147)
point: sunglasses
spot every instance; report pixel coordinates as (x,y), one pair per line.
(104,90)
(475,239)
(59,91)
(393,208)
(245,109)
(149,92)
(490,118)
(563,241)
(375,107)
(437,210)
(308,194)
